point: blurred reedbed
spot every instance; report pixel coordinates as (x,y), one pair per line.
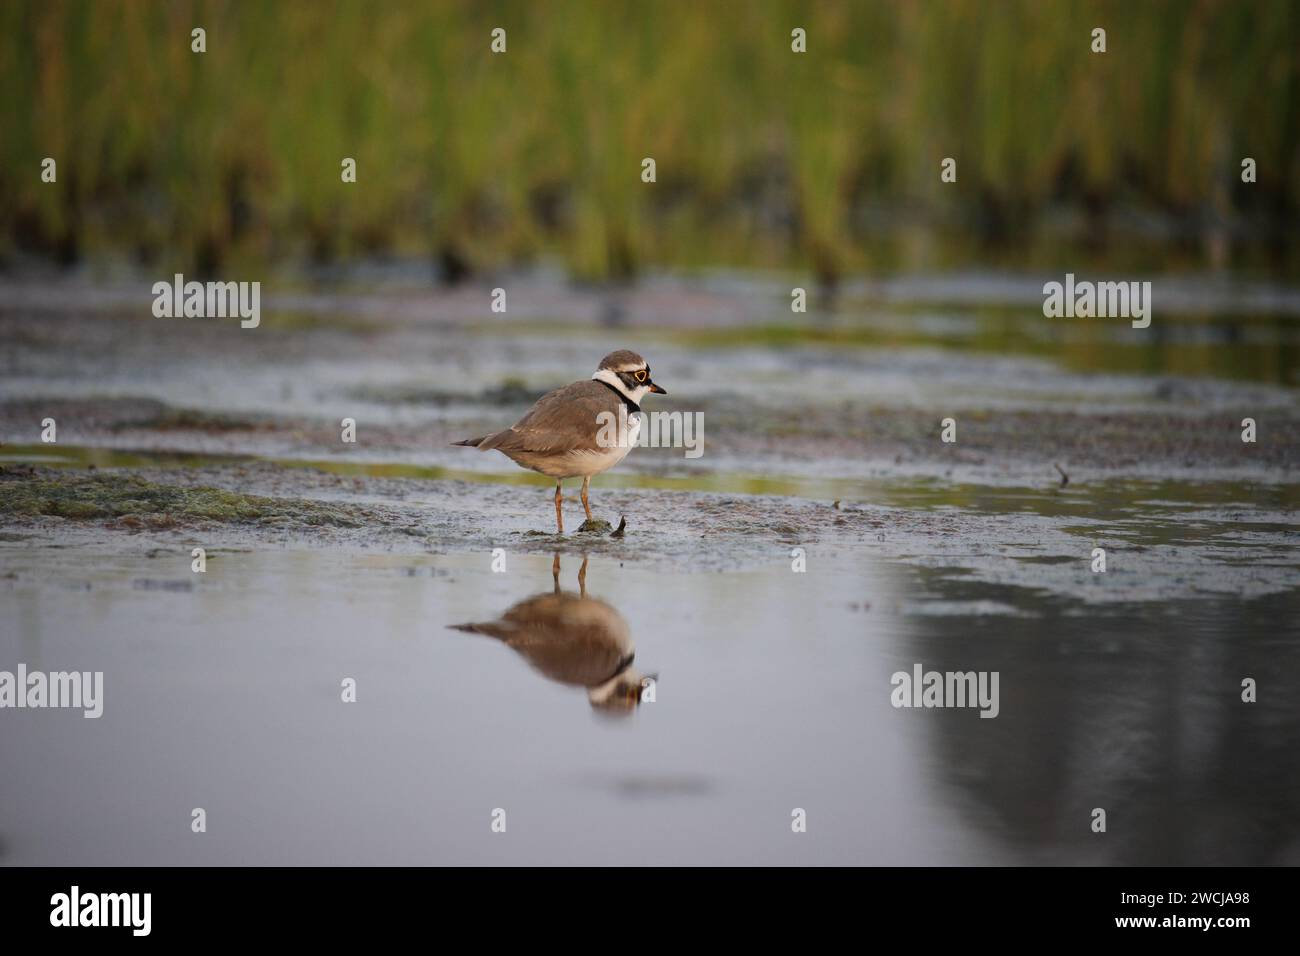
(826,161)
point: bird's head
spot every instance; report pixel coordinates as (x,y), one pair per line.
(629,373)
(621,694)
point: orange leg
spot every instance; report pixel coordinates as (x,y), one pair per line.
(559,515)
(586,483)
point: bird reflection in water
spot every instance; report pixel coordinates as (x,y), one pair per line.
(573,639)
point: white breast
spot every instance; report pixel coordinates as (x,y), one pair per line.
(580,464)
(594,462)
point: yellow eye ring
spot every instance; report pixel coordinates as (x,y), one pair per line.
(641,375)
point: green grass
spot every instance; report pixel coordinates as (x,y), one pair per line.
(766,158)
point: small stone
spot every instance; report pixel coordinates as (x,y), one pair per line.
(594,526)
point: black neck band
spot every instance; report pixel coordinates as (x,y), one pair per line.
(623,665)
(631,405)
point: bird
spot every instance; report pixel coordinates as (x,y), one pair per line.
(573,639)
(567,433)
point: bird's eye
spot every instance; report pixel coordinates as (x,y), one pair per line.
(641,375)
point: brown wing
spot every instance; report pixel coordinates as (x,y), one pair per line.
(570,639)
(562,420)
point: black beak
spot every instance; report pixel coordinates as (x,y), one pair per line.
(656,389)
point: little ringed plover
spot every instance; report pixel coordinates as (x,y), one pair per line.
(559,434)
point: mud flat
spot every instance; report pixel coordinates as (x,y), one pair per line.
(826,436)
(1165,539)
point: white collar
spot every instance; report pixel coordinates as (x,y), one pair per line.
(609,378)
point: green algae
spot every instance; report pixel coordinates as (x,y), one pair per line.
(133,500)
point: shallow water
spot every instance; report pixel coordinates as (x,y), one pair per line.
(1118,690)
(222,691)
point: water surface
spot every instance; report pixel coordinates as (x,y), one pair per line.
(223,692)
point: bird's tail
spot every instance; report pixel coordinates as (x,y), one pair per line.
(473,442)
(493,629)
